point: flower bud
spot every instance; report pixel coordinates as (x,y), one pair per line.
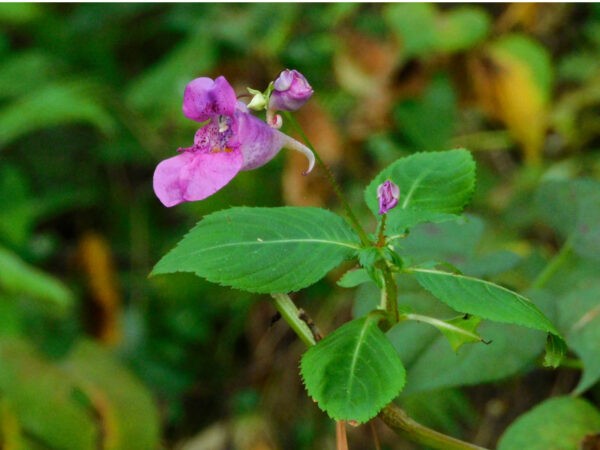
(290,91)
(388,194)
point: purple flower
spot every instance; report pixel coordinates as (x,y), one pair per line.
(233,140)
(388,194)
(290,91)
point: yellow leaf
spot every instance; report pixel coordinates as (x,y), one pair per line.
(96,261)
(123,405)
(508,91)
(11,437)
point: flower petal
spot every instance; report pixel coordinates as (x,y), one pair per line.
(291,91)
(193,176)
(204,98)
(259,142)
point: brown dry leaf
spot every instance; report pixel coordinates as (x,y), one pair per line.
(523,14)
(96,261)
(116,395)
(591,442)
(11,437)
(312,189)
(507,91)
(539,19)
(252,432)
(365,67)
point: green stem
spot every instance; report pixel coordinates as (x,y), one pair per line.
(291,314)
(554,265)
(381,234)
(572,363)
(402,424)
(391,292)
(336,187)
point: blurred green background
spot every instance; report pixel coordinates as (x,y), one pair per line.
(93,354)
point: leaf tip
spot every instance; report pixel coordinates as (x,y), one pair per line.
(556,349)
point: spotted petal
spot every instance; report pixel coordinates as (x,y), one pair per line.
(192,176)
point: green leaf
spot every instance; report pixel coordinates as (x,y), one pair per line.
(161,87)
(403,219)
(430,362)
(446,410)
(433,365)
(556,349)
(533,55)
(423,30)
(428,122)
(52,105)
(579,318)
(459,330)
(11,434)
(43,399)
(17,219)
(559,423)
(23,72)
(482,298)
(22,210)
(117,396)
(354,372)
(456,242)
(414,25)
(571,207)
(11,317)
(19,278)
(461,29)
(431,184)
(263,250)
(19,13)
(354,278)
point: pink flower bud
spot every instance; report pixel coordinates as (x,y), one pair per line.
(388,194)
(290,91)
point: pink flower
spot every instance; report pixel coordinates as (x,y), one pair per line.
(388,194)
(290,91)
(233,140)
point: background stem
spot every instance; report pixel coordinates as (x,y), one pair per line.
(555,263)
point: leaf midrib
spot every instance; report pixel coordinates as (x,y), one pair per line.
(282,241)
(414,187)
(487,284)
(354,361)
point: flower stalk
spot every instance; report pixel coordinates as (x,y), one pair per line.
(362,234)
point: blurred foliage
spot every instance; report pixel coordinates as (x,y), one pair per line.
(95,354)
